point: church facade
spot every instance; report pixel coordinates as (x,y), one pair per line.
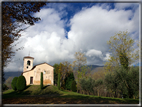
(32,73)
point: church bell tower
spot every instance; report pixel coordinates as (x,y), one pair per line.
(28,63)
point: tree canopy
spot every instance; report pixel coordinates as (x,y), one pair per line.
(123,52)
(14,16)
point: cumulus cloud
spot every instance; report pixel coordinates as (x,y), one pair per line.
(95,25)
(126,5)
(90,29)
(107,56)
(93,52)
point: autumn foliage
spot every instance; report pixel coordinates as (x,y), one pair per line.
(14,16)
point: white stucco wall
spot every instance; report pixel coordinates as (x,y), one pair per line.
(25,64)
(48,76)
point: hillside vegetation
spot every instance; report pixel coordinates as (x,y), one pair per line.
(50,94)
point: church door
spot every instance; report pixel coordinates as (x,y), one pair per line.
(31,80)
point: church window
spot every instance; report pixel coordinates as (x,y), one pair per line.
(28,62)
(27,66)
(44,72)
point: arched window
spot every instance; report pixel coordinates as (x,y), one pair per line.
(28,62)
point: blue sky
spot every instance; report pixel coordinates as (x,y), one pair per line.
(66,28)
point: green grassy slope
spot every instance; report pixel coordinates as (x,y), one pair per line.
(52,91)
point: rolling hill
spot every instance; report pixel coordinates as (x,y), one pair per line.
(94,68)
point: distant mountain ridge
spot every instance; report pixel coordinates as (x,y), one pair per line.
(17,74)
(11,74)
(94,66)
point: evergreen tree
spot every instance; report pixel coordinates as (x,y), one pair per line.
(56,69)
(41,81)
(68,80)
(21,83)
(13,83)
(73,86)
(59,80)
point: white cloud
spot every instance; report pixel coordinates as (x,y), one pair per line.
(93,52)
(126,5)
(107,56)
(91,28)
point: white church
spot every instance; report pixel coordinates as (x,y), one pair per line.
(32,73)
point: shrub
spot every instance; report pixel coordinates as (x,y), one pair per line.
(21,83)
(87,84)
(4,87)
(126,81)
(73,86)
(41,81)
(13,83)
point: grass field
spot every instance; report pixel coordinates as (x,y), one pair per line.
(51,95)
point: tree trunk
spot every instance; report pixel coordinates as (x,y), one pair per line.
(115,94)
(98,92)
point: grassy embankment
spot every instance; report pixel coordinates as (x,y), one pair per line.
(51,95)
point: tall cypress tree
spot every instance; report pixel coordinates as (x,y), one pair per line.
(41,81)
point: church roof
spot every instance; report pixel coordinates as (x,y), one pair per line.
(28,57)
(37,65)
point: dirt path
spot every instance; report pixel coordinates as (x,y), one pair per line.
(44,99)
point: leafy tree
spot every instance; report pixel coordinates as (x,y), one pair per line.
(130,80)
(14,16)
(87,84)
(66,69)
(135,80)
(124,60)
(83,84)
(80,60)
(13,83)
(90,84)
(59,80)
(126,83)
(73,86)
(68,80)
(98,84)
(8,82)
(4,87)
(100,74)
(41,81)
(21,83)
(79,65)
(111,82)
(56,68)
(123,52)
